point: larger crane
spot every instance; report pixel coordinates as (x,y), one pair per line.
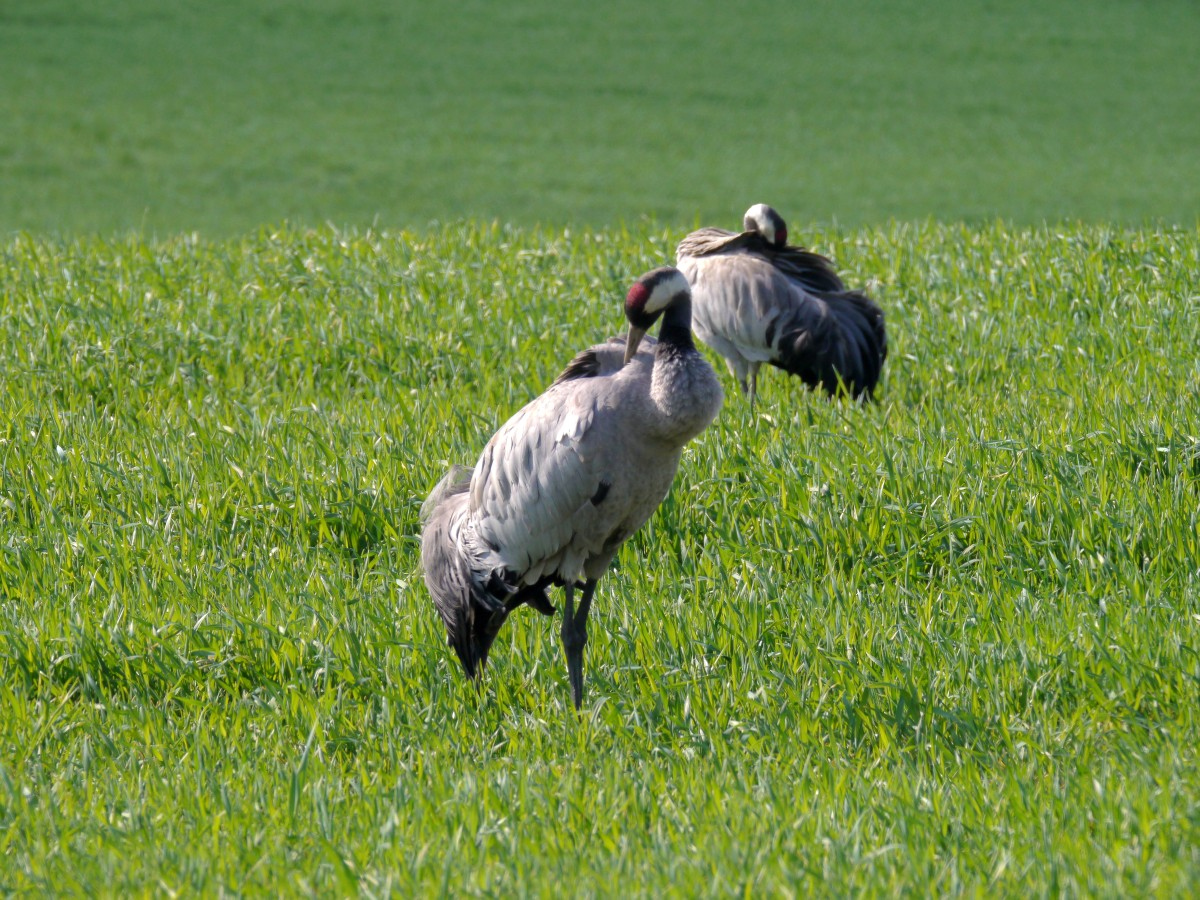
(569,478)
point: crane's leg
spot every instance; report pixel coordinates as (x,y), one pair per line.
(574,635)
(737,368)
(735,371)
(753,383)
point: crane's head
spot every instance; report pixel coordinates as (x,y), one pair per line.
(650,295)
(768,223)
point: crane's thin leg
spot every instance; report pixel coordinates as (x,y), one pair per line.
(574,635)
(753,384)
(738,370)
(568,628)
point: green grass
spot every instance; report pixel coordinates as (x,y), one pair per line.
(945,643)
(221,117)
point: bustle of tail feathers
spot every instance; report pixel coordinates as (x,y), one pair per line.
(455,481)
(473,605)
(844,354)
(471,612)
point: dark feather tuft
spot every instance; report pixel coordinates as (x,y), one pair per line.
(840,351)
(585,365)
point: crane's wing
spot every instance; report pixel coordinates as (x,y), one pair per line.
(812,271)
(710,241)
(821,336)
(835,340)
(737,299)
(536,479)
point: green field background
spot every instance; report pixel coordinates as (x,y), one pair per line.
(223,116)
(268,268)
(943,643)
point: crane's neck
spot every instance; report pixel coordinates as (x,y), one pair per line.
(675,335)
(684,389)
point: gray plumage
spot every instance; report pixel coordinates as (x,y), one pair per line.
(758,300)
(565,481)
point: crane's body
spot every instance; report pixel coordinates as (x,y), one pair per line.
(565,481)
(758,300)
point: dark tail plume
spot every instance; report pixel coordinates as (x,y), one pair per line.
(837,343)
(473,605)
(466,607)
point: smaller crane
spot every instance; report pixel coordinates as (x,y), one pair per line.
(759,300)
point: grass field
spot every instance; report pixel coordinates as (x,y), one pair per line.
(945,643)
(224,116)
